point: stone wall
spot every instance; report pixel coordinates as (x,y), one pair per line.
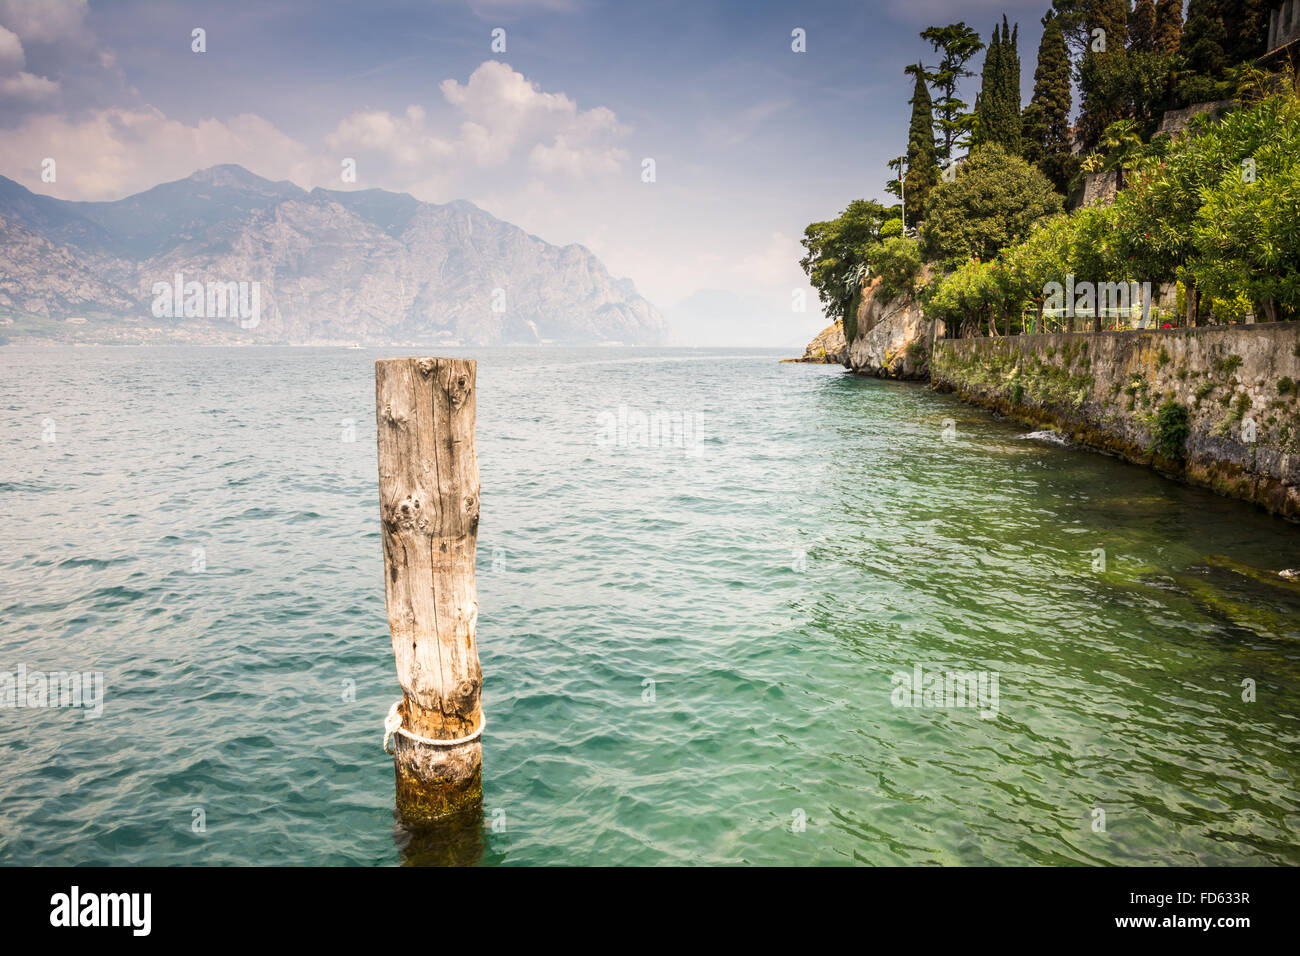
(1239,385)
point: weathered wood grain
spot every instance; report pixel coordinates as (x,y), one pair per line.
(429,507)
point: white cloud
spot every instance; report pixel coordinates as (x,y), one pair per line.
(60,21)
(26,89)
(112,153)
(507,124)
(405,139)
(12,59)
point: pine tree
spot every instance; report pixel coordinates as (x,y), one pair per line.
(1046,119)
(1142,27)
(952,119)
(1169,25)
(922,172)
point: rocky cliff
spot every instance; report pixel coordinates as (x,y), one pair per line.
(366,266)
(827,348)
(892,338)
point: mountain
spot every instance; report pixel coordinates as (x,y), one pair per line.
(330,266)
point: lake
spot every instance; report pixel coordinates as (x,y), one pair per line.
(713,640)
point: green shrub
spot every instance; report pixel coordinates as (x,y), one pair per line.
(1171,431)
(898,263)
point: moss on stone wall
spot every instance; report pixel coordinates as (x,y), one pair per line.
(1235,388)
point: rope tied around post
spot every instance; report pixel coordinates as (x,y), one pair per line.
(393,725)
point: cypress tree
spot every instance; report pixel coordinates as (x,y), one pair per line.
(984,103)
(922,173)
(1142,27)
(1169,25)
(1205,37)
(1009,127)
(1246,26)
(998,108)
(1112,17)
(1102,72)
(1047,118)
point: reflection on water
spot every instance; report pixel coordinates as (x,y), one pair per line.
(455,840)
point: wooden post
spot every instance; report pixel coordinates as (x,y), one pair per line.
(428,501)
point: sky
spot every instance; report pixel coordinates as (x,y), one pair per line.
(751,141)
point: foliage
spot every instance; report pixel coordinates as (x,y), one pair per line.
(1169,25)
(952,117)
(997,111)
(994,198)
(965,299)
(922,172)
(898,263)
(1171,431)
(836,250)
(1046,121)
(1247,234)
(1142,27)
(1218,211)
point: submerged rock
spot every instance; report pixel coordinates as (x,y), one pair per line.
(828,348)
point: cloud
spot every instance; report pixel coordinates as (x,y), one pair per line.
(111,153)
(61,22)
(506,121)
(513,8)
(405,139)
(12,59)
(27,89)
(776,263)
(42,45)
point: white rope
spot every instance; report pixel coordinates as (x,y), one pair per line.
(393,725)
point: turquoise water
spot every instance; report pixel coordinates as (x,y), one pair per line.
(816,535)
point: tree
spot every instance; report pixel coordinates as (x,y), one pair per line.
(839,248)
(1246,23)
(1072,15)
(1009,91)
(1111,17)
(997,111)
(1205,36)
(1047,118)
(952,117)
(1169,25)
(1103,71)
(922,172)
(995,198)
(1142,27)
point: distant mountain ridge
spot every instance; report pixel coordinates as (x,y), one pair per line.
(365,266)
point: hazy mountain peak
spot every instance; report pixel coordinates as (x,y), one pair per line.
(332,265)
